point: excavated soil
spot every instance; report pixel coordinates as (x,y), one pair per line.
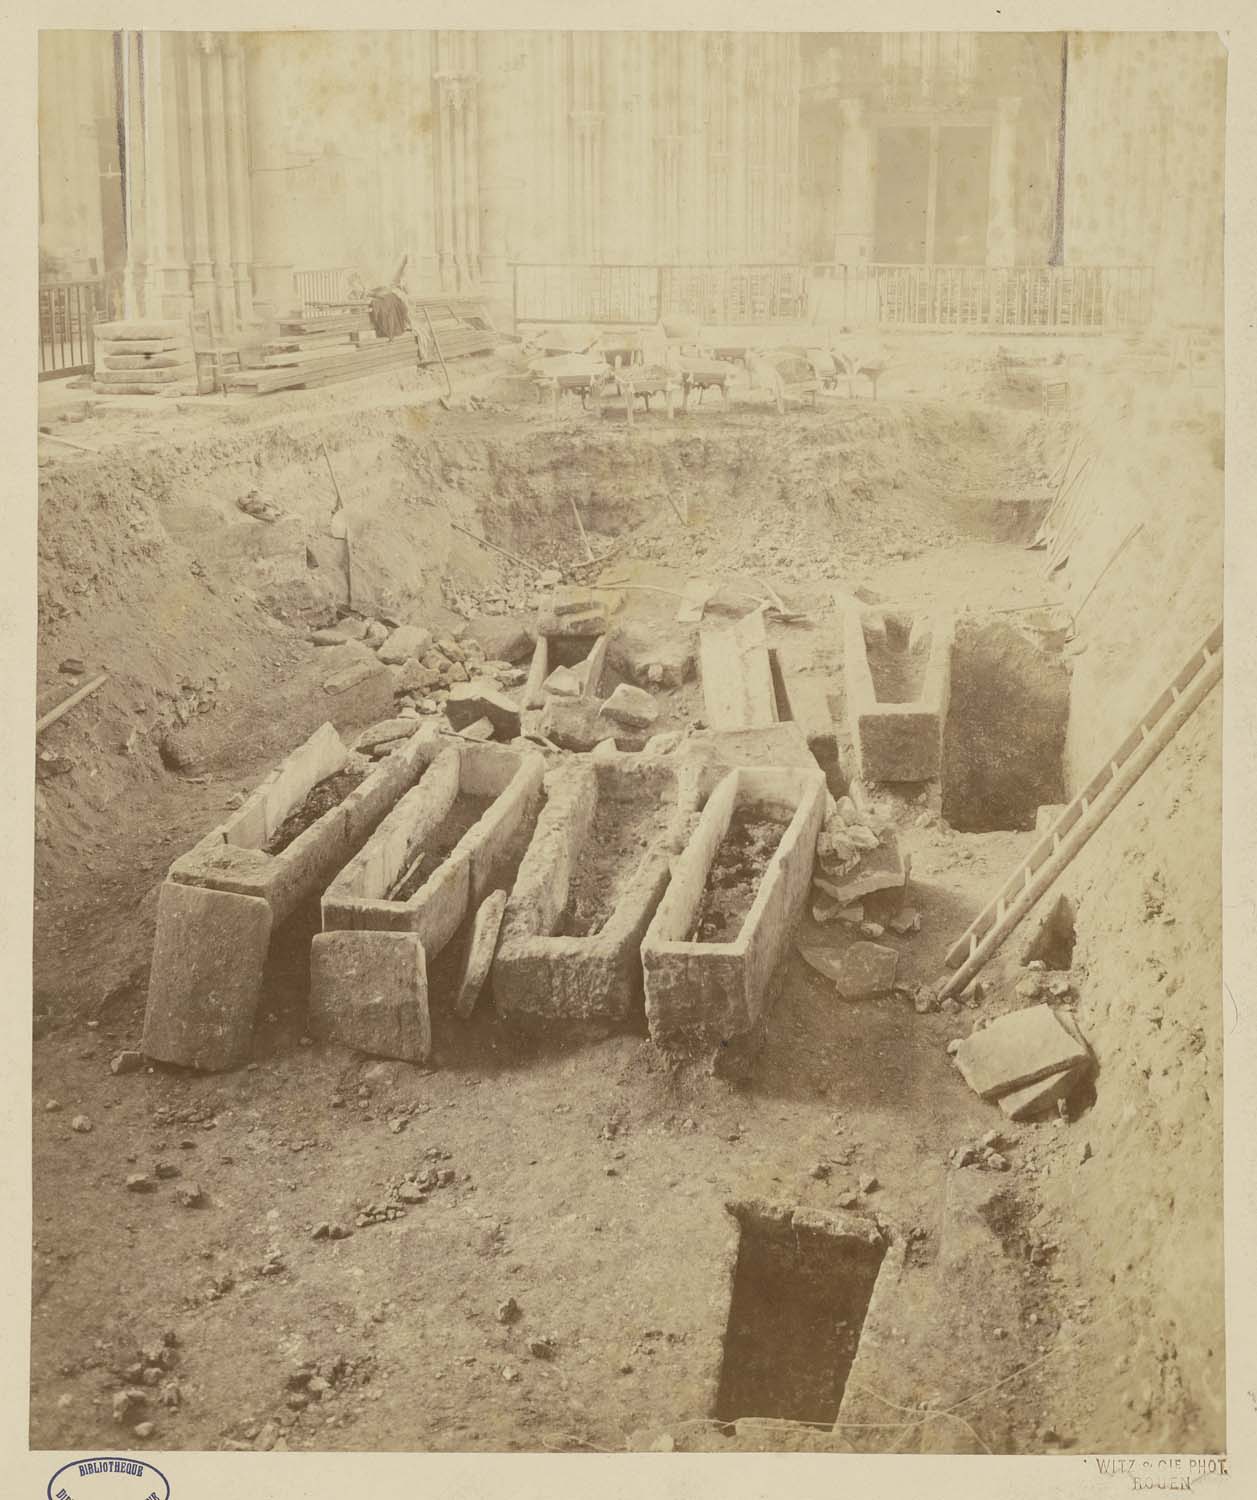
(622,831)
(322,799)
(460,820)
(735,874)
(577,1167)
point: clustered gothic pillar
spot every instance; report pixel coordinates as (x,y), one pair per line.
(458,129)
(187,215)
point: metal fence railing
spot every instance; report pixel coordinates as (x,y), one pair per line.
(642,294)
(322,289)
(67,311)
(991,299)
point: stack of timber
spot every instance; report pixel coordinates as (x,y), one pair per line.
(312,352)
(143,357)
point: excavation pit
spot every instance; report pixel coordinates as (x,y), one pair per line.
(570,950)
(898,679)
(583,655)
(1005,731)
(703,995)
(802,1284)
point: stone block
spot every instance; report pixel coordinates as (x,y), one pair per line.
(1016,1050)
(1040,1097)
(881,870)
(484,941)
(352,676)
(482,699)
(369,991)
(860,972)
(388,732)
(636,647)
(631,707)
(405,642)
(562,683)
(206,976)
(501,637)
(584,656)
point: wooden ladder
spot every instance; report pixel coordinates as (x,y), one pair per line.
(1050,856)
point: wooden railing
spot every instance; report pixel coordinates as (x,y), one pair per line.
(67,311)
(992,299)
(642,294)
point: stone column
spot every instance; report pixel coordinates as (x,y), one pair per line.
(176,273)
(1001,233)
(135,282)
(198,184)
(219,184)
(735,83)
(238,174)
(853,238)
(274,290)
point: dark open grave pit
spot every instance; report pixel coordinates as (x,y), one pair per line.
(1005,732)
(802,1284)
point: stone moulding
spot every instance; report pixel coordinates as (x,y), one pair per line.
(703,995)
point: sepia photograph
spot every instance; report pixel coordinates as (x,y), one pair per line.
(628,826)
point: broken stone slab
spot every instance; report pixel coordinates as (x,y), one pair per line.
(406,641)
(369,991)
(905,922)
(481,731)
(351,676)
(482,699)
(414,677)
(572,612)
(1040,1097)
(719,752)
(584,656)
(578,724)
(328,637)
(563,682)
(501,637)
(205,977)
(1016,1050)
(637,647)
(860,972)
(884,869)
(631,706)
(387,732)
(484,941)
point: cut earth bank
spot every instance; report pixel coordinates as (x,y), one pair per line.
(552,1169)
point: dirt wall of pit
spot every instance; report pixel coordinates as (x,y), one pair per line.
(1146,1204)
